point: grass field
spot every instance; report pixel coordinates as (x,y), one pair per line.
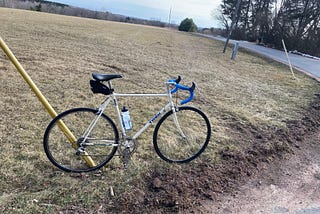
(61,52)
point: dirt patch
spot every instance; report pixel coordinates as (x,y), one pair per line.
(286,186)
(180,189)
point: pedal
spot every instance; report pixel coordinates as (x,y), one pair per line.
(126,151)
(126,155)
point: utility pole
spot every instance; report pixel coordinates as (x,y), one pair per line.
(234,19)
(170,15)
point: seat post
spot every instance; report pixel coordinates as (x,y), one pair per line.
(110,84)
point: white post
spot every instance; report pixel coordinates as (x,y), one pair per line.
(235,51)
(285,50)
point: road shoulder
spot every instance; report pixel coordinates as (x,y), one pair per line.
(291,185)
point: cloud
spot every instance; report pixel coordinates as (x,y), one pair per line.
(199,10)
(195,7)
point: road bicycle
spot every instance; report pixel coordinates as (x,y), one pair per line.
(180,136)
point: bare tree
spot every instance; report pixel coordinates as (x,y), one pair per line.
(297,21)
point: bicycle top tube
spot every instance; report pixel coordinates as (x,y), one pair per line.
(182,87)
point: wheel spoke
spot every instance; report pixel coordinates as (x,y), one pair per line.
(104,137)
(183,136)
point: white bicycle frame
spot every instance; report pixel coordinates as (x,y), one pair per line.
(113,96)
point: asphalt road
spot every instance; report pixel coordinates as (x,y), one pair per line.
(307,65)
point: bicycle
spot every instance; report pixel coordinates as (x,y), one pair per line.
(180,136)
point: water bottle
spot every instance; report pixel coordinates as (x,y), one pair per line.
(126,121)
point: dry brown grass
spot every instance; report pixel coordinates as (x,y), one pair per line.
(61,52)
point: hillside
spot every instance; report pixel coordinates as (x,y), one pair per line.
(69,10)
(258,113)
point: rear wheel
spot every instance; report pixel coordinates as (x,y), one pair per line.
(183,142)
(99,147)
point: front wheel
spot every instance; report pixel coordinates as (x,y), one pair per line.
(182,136)
(74,152)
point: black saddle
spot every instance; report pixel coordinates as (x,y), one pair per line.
(105,77)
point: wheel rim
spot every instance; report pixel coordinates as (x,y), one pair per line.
(60,151)
(172,146)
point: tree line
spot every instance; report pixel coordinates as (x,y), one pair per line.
(63,9)
(270,21)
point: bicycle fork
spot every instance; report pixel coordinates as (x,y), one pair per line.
(175,109)
(176,122)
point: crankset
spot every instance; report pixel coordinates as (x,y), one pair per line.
(127,149)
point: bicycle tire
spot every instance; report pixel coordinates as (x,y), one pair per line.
(60,151)
(169,143)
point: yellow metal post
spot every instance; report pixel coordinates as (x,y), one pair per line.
(42,99)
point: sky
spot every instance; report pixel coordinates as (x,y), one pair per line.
(199,10)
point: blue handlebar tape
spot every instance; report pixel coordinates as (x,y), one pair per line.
(178,86)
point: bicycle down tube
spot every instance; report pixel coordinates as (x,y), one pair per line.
(114,96)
